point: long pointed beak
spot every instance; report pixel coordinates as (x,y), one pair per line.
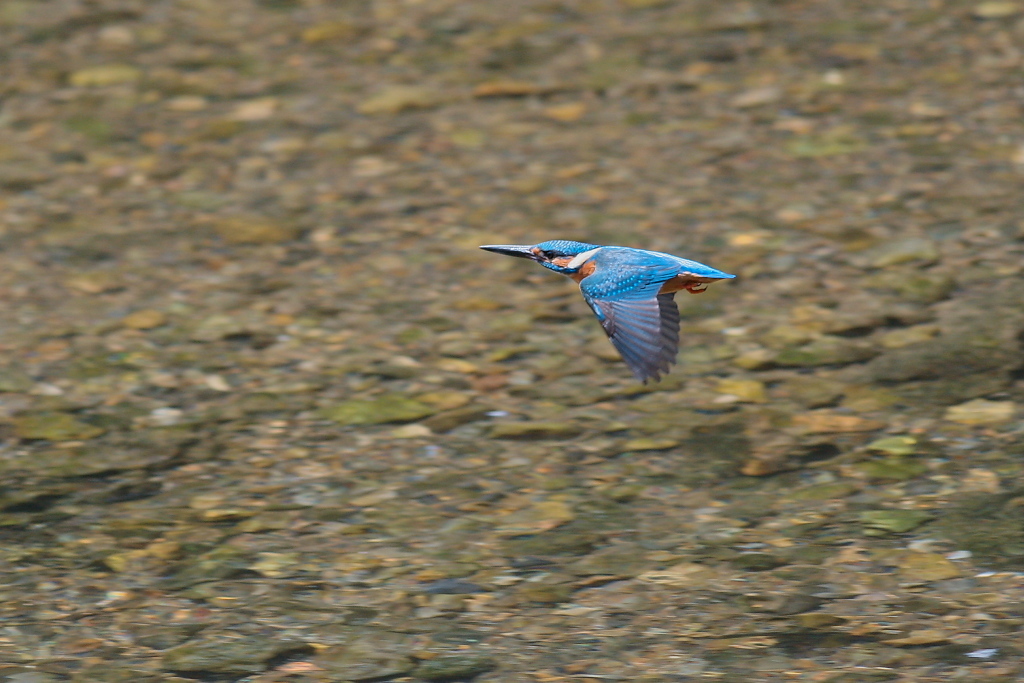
(519,250)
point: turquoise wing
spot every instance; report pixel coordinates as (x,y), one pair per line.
(642,324)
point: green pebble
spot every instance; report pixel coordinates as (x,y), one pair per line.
(54,427)
(896,468)
(382,410)
(893,521)
(895,445)
(454,667)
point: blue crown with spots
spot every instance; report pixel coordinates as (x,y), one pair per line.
(555,248)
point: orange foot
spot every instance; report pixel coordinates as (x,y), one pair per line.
(695,287)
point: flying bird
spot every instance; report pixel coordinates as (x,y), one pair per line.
(631,291)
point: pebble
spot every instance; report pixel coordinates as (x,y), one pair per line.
(14,379)
(897,339)
(997,9)
(329,32)
(644,4)
(896,252)
(745,390)
(96,282)
(449,420)
(254,230)
(928,636)
(826,351)
(371,657)
(381,410)
(146,319)
(827,422)
(894,521)
(104,76)
(927,567)
(508,88)
(227,654)
(54,427)
(566,113)
(757,97)
(454,667)
(895,468)
(649,444)
(399,98)
(541,516)
(818,620)
(982,412)
(259,109)
(894,445)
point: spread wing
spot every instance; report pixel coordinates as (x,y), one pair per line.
(646,333)
(642,324)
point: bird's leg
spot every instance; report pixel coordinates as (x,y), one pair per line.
(695,287)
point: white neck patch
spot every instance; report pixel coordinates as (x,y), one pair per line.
(580,259)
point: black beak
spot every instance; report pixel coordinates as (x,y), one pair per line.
(519,250)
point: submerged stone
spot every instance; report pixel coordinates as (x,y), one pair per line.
(649,444)
(454,667)
(816,620)
(745,390)
(989,526)
(220,563)
(145,319)
(547,594)
(381,410)
(927,567)
(894,445)
(827,351)
(398,98)
(758,562)
(897,468)
(371,657)
(982,412)
(254,230)
(894,521)
(535,430)
(827,422)
(15,380)
(227,655)
(617,560)
(895,252)
(54,427)
(104,75)
(828,491)
(540,516)
(565,541)
(450,419)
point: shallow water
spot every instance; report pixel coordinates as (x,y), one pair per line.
(269,415)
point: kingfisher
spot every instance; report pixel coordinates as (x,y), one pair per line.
(631,291)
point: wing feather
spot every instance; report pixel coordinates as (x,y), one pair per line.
(623,291)
(645,333)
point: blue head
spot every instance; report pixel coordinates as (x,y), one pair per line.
(556,255)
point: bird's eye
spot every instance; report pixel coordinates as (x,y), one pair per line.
(550,254)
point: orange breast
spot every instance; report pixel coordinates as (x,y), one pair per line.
(585,270)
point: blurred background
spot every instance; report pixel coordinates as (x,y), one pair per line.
(269,415)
